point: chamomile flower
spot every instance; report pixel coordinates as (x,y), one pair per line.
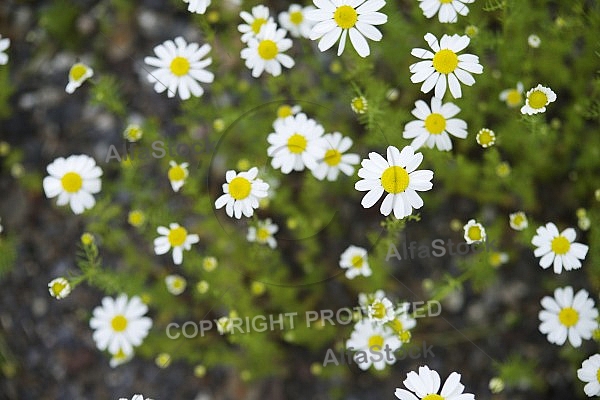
(398,177)
(295,21)
(78,74)
(174,237)
(133,133)
(4,45)
(74,180)
(136,218)
(120,358)
(178,173)
(254,22)
(435,125)
(355,261)
(534,41)
(210,263)
(447,10)
(175,284)
(179,68)
(485,138)
(197,6)
(557,248)
(224,325)
(380,309)
(136,397)
(590,374)
(537,99)
(367,338)
(265,51)
(119,324)
(263,233)
(337,19)
(296,143)
(497,259)
(518,221)
(359,105)
(241,193)
(59,288)
(333,160)
(474,232)
(285,110)
(513,97)
(426,384)
(444,67)
(567,316)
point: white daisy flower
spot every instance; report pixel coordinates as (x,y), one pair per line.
(175,284)
(295,21)
(381,310)
(567,316)
(4,45)
(119,324)
(73,180)
(59,288)
(537,99)
(534,41)
(136,397)
(447,10)
(474,232)
(397,176)
(175,237)
(557,248)
(434,125)
(333,160)
(337,19)
(210,263)
(120,358)
(265,51)
(179,68)
(355,261)
(254,22)
(518,221)
(178,173)
(485,138)
(285,110)
(590,374)
(364,299)
(359,105)
(367,338)
(296,143)
(197,6)
(513,97)
(444,67)
(242,193)
(263,233)
(426,386)
(78,74)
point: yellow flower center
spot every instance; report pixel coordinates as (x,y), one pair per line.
(119,323)
(77,72)
(568,316)
(176,173)
(177,236)
(376,340)
(446,1)
(57,288)
(405,336)
(357,261)
(136,218)
(598,375)
(296,17)
(474,233)
(445,61)
(513,98)
(177,283)
(560,245)
(262,234)
(257,24)
(434,396)
(284,111)
(518,219)
(345,17)
(267,49)
(435,123)
(332,157)
(296,143)
(180,66)
(239,188)
(394,179)
(71,182)
(359,104)
(378,310)
(485,137)
(538,99)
